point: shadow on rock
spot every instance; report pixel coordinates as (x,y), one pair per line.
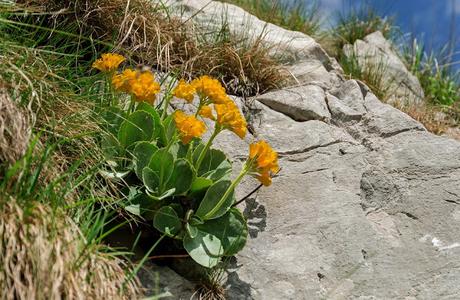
(256,216)
(235,287)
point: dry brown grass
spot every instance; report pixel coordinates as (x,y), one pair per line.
(40,258)
(15,130)
(434,120)
(144,32)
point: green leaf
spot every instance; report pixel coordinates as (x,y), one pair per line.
(200,184)
(142,205)
(135,209)
(163,196)
(222,171)
(139,126)
(194,220)
(191,230)
(207,209)
(167,221)
(162,163)
(231,229)
(110,146)
(169,130)
(150,180)
(204,248)
(159,128)
(182,176)
(143,153)
(112,118)
(215,164)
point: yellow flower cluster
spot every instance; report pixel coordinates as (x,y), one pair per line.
(108,62)
(144,87)
(264,161)
(184,91)
(207,87)
(210,92)
(189,127)
(122,81)
(141,84)
(206,112)
(229,116)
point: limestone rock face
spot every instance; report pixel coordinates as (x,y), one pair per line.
(367,205)
(376,53)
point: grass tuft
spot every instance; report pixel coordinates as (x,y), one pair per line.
(354,25)
(146,32)
(14,130)
(41,258)
(294,15)
(440,82)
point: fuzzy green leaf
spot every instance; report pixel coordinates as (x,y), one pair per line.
(182,176)
(139,126)
(143,153)
(204,248)
(231,229)
(207,209)
(167,221)
(150,180)
(162,163)
(159,128)
(200,184)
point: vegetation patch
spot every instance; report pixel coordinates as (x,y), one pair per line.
(147,32)
(294,15)
(166,174)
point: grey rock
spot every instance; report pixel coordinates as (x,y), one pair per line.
(302,103)
(366,206)
(312,72)
(376,53)
(290,137)
(164,282)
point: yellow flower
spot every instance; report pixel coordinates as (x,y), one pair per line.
(206,112)
(188,126)
(184,91)
(144,87)
(211,88)
(264,161)
(109,62)
(229,116)
(121,81)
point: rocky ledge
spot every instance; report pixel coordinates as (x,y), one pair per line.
(367,205)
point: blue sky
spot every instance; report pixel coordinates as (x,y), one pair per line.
(429,20)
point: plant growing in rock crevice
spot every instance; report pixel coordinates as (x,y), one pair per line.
(174,179)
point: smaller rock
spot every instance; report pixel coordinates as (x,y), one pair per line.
(386,120)
(375,52)
(340,112)
(302,103)
(312,72)
(162,281)
(350,100)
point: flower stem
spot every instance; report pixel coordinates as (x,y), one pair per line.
(217,130)
(230,189)
(131,105)
(165,108)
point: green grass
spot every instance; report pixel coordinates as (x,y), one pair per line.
(355,25)
(370,72)
(298,15)
(47,74)
(440,82)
